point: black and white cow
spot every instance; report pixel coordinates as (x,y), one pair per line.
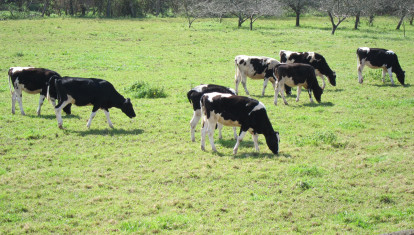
(99,93)
(255,67)
(33,81)
(194,96)
(315,59)
(237,111)
(377,58)
(299,75)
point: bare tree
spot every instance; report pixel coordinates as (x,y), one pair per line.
(299,7)
(195,9)
(338,11)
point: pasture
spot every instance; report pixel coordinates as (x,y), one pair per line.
(345,165)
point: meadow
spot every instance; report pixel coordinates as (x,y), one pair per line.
(345,165)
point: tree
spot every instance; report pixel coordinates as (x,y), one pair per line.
(299,7)
(338,11)
(195,9)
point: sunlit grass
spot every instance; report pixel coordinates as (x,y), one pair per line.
(345,165)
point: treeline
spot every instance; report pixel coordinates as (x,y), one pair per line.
(243,10)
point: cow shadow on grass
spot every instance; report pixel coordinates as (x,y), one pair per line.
(246,149)
(108,132)
(390,85)
(321,104)
(50,116)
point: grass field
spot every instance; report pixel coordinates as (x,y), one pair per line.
(345,165)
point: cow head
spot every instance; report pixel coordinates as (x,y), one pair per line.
(332,78)
(272,142)
(401,77)
(128,109)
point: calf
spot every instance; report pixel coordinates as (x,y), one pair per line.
(33,81)
(316,60)
(194,96)
(231,110)
(99,93)
(255,67)
(297,75)
(377,58)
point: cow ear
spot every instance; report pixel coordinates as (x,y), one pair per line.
(128,101)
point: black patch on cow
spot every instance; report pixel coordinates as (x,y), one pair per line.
(195,96)
(259,65)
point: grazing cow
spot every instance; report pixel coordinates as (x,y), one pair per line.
(232,110)
(297,75)
(377,58)
(33,81)
(316,60)
(88,91)
(194,96)
(255,67)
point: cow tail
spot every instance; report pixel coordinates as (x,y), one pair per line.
(11,92)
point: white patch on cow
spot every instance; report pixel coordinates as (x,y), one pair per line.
(289,81)
(214,94)
(390,52)
(257,107)
(367,49)
(17,69)
(312,56)
(199,88)
(225,122)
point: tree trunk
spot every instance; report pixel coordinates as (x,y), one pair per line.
(108,9)
(83,9)
(131,7)
(371,20)
(399,23)
(45,7)
(251,23)
(411,20)
(357,20)
(71,12)
(157,7)
(297,18)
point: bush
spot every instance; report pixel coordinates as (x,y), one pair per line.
(141,89)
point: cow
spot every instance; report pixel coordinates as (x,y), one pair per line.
(33,81)
(99,93)
(237,111)
(377,58)
(317,61)
(255,67)
(194,97)
(299,75)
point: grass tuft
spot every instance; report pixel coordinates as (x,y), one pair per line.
(141,89)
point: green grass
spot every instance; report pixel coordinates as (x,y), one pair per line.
(345,165)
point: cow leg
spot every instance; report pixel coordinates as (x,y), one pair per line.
(266,80)
(239,139)
(282,93)
(277,91)
(193,123)
(299,90)
(204,127)
(360,67)
(107,118)
(14,102)
(18,96)
(255,141)
(237,79)
(220,127)
(243,81)
(41,99)
(310,95)
(211,126)
(323,82)
(390,73)
(94,111)
(384,72)
(58,112)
